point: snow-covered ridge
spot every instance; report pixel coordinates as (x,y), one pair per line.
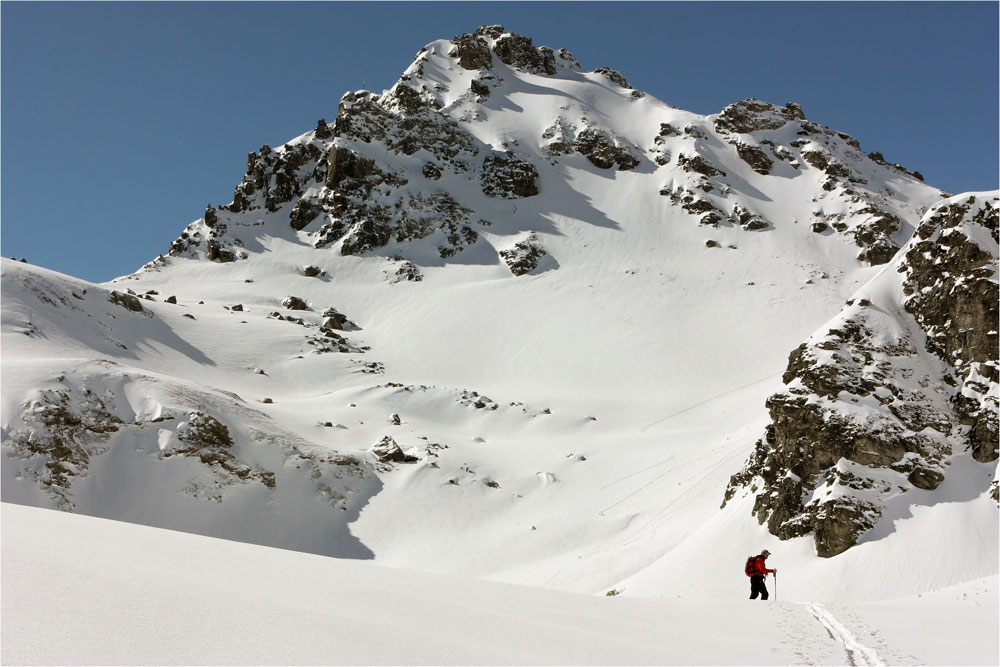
(414,174)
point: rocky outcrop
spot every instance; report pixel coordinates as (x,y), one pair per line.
(387,452)
(479,89)
(951,290)
(755,157)
(865,416)
(334,319)
(127,301)
(699,165)
(406,271)
(204,437)
(747,219)
(475,51)
(524,256)
(874,235)
(708,213)
(558,137)
(519,51)
(752,115)
(604,150)
(294,303)
(508,177)
(343,163)
(273,177)
(614,75)
(472,52)
(367,117)
(63,430)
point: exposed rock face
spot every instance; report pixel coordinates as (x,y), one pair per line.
(747,219)
(480,89)
(699,165)
(431,171)
(751,115)
(605,151)
(614,75)
(405,99)
(559,136)
(755,157)
(519,51)
(343,163)
(951,290)
(475,52)
(865,416)
(63,431)
(273,177)
(472,52)
(508,177)
(304,212)
(875,236)
(709,213)
(207,439)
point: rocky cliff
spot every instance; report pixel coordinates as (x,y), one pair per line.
(882,400)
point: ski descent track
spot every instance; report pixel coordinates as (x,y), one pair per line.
(857,653)
(707,400)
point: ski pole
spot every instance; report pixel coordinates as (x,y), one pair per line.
(775,586)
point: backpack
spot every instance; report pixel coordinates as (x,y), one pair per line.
(751,567)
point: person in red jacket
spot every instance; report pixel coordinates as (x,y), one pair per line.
(760,571)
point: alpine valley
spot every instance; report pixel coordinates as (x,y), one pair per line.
(514,320)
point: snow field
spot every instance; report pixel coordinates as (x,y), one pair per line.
(118,593)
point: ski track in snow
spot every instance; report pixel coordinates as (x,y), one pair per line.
(707,400)
(648,529)
(857,653)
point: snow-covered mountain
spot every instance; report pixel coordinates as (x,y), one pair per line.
(518,320)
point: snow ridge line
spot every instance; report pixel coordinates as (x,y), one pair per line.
(857,653)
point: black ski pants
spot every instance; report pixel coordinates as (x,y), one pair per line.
(757,587)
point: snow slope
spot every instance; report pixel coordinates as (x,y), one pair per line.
(573,427)
(118,593)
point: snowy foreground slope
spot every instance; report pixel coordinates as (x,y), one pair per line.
(117,593)
(515,321)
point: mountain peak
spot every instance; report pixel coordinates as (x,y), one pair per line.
(475,51)
(624,278)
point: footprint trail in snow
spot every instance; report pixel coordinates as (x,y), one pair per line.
(857,653)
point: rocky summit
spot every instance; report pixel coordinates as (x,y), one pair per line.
(518,318)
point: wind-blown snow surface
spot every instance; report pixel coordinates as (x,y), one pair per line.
(571,428)
(117,593)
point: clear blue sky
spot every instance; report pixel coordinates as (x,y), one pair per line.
(121,121)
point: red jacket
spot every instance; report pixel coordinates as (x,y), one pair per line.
(759,568)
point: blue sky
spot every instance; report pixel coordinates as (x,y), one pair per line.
(121,121)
